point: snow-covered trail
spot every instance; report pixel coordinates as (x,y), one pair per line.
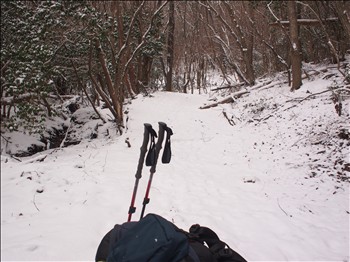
(220,176)
(216,178)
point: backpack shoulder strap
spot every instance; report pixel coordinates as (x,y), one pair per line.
(221,251)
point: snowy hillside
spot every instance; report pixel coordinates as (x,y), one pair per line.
(269,173)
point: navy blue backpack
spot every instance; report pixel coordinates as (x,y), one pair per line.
(155,239)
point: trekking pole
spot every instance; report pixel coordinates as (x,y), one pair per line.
(162,128)
(148,130)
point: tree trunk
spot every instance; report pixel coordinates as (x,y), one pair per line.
(170,53)
(295,53)
(185,53)
(248,53)
(117,98)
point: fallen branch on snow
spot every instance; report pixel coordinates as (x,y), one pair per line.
(319,93)
(230,121)
(226,100)
(35,203)
(263,84)
(228,86)
(36,159)
(299,100)
(278,202)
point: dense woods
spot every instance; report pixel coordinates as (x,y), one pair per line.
(109,51)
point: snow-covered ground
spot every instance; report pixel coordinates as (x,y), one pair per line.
(273,184)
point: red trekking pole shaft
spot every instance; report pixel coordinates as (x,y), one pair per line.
(162,128)
(132,208)
(146,199)
(143,151)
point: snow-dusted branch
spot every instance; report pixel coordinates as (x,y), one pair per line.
(99,90)
(83,87)
(11,100)
(126,42)
(278,21)
(226,46)
(329,41)
(303,21)
(143,38)
(226,100)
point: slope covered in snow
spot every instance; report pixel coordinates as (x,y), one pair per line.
(269,173)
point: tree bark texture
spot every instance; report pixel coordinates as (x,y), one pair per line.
(295,51)
(170,53)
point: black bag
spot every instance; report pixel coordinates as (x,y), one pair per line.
(219,250)
(155,239)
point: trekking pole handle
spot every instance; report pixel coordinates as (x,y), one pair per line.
(162,128)
(143,149)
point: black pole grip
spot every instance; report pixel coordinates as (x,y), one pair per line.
(143,149)
(162,128)
(167,147)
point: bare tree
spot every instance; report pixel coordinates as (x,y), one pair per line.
(295,53)
(170,47)
(233,37)
(115,56)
